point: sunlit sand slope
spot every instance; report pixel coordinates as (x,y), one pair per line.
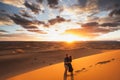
(104,66)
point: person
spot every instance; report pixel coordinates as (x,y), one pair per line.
(66,61)
(68,66)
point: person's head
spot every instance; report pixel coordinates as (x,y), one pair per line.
(70,57)
(66,55)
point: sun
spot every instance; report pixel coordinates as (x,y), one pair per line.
(71,38)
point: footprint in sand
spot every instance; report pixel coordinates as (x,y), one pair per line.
(98,63)
(90,66)
(105,62)
(83,69)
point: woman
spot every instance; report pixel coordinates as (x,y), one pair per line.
(70,65)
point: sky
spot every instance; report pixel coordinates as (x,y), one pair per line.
(59,20)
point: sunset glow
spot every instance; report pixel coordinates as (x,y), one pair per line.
(48,20)
(71,38)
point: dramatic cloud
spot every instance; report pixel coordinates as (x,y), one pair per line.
(109,19)
(115,12)
(89,18)
(58,19)
(53,3)
(4,19)
(107,4)
(40,1)
(89,32)
(110,36)
(17,37)
(20,20)
(30,25)
(26,14)
(37,31)
(36,25)
(81,33)
(3,32)
(110,24)
(91,24)
(89,6)
(17,3)
(82,3)
(95,29)
(33,6)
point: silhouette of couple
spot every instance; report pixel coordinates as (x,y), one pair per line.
(68,66)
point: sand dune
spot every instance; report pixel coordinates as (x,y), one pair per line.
(104,66)
(17,58)
(11,65)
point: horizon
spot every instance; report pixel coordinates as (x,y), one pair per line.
(60,20)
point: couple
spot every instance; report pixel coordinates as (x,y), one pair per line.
(68,66)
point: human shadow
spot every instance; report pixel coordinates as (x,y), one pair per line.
(66,76)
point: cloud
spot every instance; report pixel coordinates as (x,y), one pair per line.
(110,36)
(26,14)
(29,25)
(35,25)
(53,3)
(89,32)
(17,3)
(37,31)
(94,29)
(115,12)
(108,19)
(17,37)
(78,12)
(93,7)
(4,19)
(33,6)
(58,19)
(3,32)
(81,32)
(110,24)
(20,30)
(20,20)
(40,1)
(82,3)
(107,4)
(90,24)
(90,6)
(95,17)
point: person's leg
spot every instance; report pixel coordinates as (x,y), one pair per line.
(72,76)
(65,72)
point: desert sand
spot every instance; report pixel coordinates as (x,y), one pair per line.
(18,59)
(103,66)
(12,65)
